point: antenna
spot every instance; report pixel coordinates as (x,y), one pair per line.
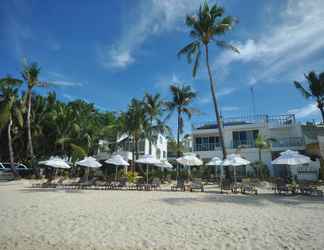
(253,99)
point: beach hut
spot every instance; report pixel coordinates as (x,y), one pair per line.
(148,160)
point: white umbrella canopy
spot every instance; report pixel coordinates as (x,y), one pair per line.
(89,162)
(148,160)
(215,161)
(235,160)
(55,162)
(117,160)
(290,157)
(189,159)
(165,164)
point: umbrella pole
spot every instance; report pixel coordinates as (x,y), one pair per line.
(146,173)
(116,173)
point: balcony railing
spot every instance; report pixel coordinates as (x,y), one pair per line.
(281,142)
(288,142)
(206,147)
(279,121)
(243,143)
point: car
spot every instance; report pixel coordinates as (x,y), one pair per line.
(22,169)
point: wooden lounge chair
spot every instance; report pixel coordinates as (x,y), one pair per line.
(226,185)
(248,187)
(196,184)
(179,185)
(156,184)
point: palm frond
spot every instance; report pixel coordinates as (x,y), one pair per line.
(226,45)
(303,91)
(196,64)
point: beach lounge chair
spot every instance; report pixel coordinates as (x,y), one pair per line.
(179,185)
(196,184)
(226,185)
(248,187)
(156,184)
(87,184)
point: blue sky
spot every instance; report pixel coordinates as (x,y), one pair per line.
(107,52)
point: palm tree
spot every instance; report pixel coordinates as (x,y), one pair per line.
(315,89)
(206,26)
(9,111)
(261,142)
(30,74)
(134,126)
(153,110)
(182,97)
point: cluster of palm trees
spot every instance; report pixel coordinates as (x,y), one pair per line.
(40,126)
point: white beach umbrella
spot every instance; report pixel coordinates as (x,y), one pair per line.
(148,160)
(55,162)
(290,157)
(165,164)
(189,159)
(235,160)
(117,160)
(215,161)
(89,162)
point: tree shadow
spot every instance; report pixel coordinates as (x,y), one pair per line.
(261,200)
(50,190)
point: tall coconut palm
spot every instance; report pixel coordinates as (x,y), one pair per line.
(205,28)
(30,74)
(135,123)
(153,106)
(182,97)
(10,111)
(315,89)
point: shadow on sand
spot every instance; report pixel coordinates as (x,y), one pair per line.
(249,200)
(50,190)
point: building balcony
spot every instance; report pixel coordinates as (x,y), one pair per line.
(288,142)
(278,143)
(279,121)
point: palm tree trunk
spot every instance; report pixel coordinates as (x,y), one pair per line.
(30,149)
(11,153)
(150,139)
(320,106)
(178,140)
(133,156)
(218,117)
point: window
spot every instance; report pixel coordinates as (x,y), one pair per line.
(207,143)
(246,138)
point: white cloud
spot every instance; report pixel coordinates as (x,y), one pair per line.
(229,108)
(226,91)
(152,18)
(304,112)
(285,44)
(66,83)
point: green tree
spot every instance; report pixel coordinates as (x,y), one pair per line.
(153,107)
(182,97)
(315,89)
(10,112)
(205,27)
(30,74)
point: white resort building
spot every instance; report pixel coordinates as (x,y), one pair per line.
(240,134)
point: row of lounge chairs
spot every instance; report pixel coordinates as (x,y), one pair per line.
(302,187)
(244,187)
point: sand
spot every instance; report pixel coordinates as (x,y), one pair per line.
(58,219)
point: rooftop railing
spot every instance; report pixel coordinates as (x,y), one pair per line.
(279,121)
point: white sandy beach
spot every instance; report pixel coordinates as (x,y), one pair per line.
(156,220)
